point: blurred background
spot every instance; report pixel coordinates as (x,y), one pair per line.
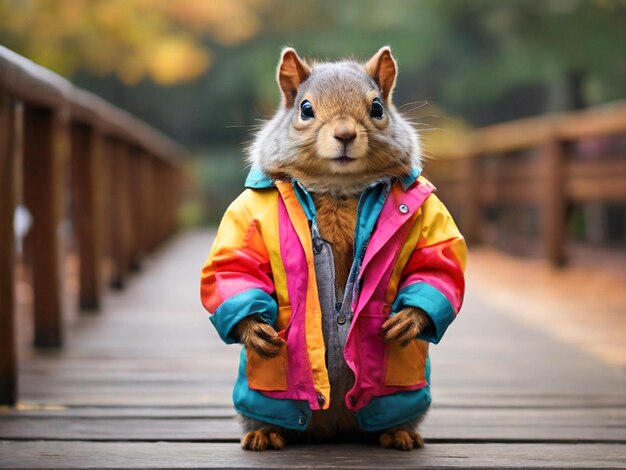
(521,107)
(203,72)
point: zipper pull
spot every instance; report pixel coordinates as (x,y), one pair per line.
(318,245)
(316,239)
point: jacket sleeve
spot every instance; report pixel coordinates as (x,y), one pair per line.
(236,279)
(433,277)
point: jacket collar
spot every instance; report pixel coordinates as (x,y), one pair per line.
(257,179)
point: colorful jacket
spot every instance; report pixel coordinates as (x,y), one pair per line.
(408,252)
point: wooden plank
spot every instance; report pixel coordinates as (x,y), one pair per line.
(498,193)
(441,424)
(25,410)
(86,208)
(31,410)
(504,169)
(438,175)
(532,132)
(201,455)
(210,393)
(43,193)
(8,353)
(607,189)
(515,135)
(599,121)
(596,168)
(597,180)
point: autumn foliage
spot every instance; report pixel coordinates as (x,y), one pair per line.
(168,41)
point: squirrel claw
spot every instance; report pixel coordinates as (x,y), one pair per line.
(263,439)
(404,326)
(401,440)
(260,336)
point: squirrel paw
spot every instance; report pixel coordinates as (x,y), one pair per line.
(263,439)
(402,439)
(404,326)
(260,336)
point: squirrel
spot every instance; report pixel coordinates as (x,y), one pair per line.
(335,136)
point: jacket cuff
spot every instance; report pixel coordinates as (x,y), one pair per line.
(239,306)
(433,302)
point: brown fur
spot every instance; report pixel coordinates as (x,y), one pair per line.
(263,439)
(336,219)
(261,337)
(335,423)
(401,439)
(405,325)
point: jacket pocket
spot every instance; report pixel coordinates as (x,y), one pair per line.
(406,366)
(267,374)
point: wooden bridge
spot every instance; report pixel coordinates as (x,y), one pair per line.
(146,382)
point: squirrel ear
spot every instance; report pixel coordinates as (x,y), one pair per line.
(382,68)
(292,71)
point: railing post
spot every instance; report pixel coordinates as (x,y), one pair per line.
(43,193)
(154,195)
(86,195)
(472,219)
(8,355)
(146,200)
(136,215)
(126,186)
(176,197)
(120,230)
(171,196)
(159,202)
(555,229)
(106,208)
(146,197)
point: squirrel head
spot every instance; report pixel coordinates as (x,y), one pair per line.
(336,129)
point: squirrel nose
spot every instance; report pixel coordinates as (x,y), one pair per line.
(344,130)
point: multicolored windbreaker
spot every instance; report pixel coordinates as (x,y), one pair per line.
(408,252)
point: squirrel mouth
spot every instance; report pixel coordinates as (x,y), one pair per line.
(344,160)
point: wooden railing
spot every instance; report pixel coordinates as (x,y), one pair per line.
(548,164)
(67,155)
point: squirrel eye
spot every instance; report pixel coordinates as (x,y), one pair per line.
(306,110)
(377,109)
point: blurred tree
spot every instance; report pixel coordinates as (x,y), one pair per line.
(203,71)
(483,60)
(521,58)
(160,39)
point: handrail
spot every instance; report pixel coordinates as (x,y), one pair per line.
(124,178)
(534,162)
(604,120)
(32,83)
